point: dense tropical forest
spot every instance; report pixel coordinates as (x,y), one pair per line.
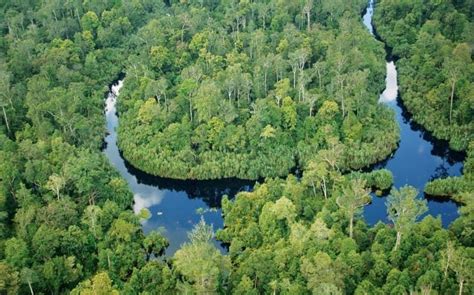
(215,89)
(252,90)
(432,42)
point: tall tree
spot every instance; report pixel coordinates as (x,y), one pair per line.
(200,262)
(454,67)
(403,210)
(56,183)
(100,284)
(463,265)
(308,6)
(352,198)
(317,173)
(5,97)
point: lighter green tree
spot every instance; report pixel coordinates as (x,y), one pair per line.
(403,210)
(56,183)
(463,266)
(29,276)
(200,262)
(5,97)
(321,274)
(317,174)
(352,198)
(100,284)
(454,68)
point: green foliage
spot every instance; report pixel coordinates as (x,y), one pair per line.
(459,188)
(273,241)
(353,196)
(99,285)
(204,268)
(219,89)
(404,209)
(433,42)
(62,206)
(379,179)
(259,100)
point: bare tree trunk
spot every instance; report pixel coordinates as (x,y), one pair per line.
(294,77)
(166,103)
(397,242)
(77,15)
(299,93)
(31,288)
(265,81)
(302,92)
(238,97)
(108,260)
(453,84)
(190,111)
(319,78)
(6,119)
(448,260)
(93,223)
(461,286)
(308,15)
(325,190)
(314,188)
(351,222)
(426,290)
(342,99)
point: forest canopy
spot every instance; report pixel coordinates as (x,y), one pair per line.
(229,88)
(433,44)
(254,89)
(432,41)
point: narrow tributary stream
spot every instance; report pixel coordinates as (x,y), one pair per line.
(419,157)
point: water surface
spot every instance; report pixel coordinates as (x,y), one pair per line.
(174,204)
(419,157)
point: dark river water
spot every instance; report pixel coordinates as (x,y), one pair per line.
(419,157)
(177,205)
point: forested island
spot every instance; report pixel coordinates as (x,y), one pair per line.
(252,90)
(243,89)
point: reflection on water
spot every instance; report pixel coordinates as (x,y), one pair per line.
(391,86)
(419,157)
(173,204)
(367,18)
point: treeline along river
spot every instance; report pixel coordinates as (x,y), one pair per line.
(176,205)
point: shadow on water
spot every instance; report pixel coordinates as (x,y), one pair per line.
(419,157)
(440,147)
(210,191)
(177,205)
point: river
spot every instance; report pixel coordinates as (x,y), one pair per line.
(177,205)
(419,157)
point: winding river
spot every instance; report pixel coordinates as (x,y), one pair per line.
(419,157)
(177,205)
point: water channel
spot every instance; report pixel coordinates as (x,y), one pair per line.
(419,157)
(177,205)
